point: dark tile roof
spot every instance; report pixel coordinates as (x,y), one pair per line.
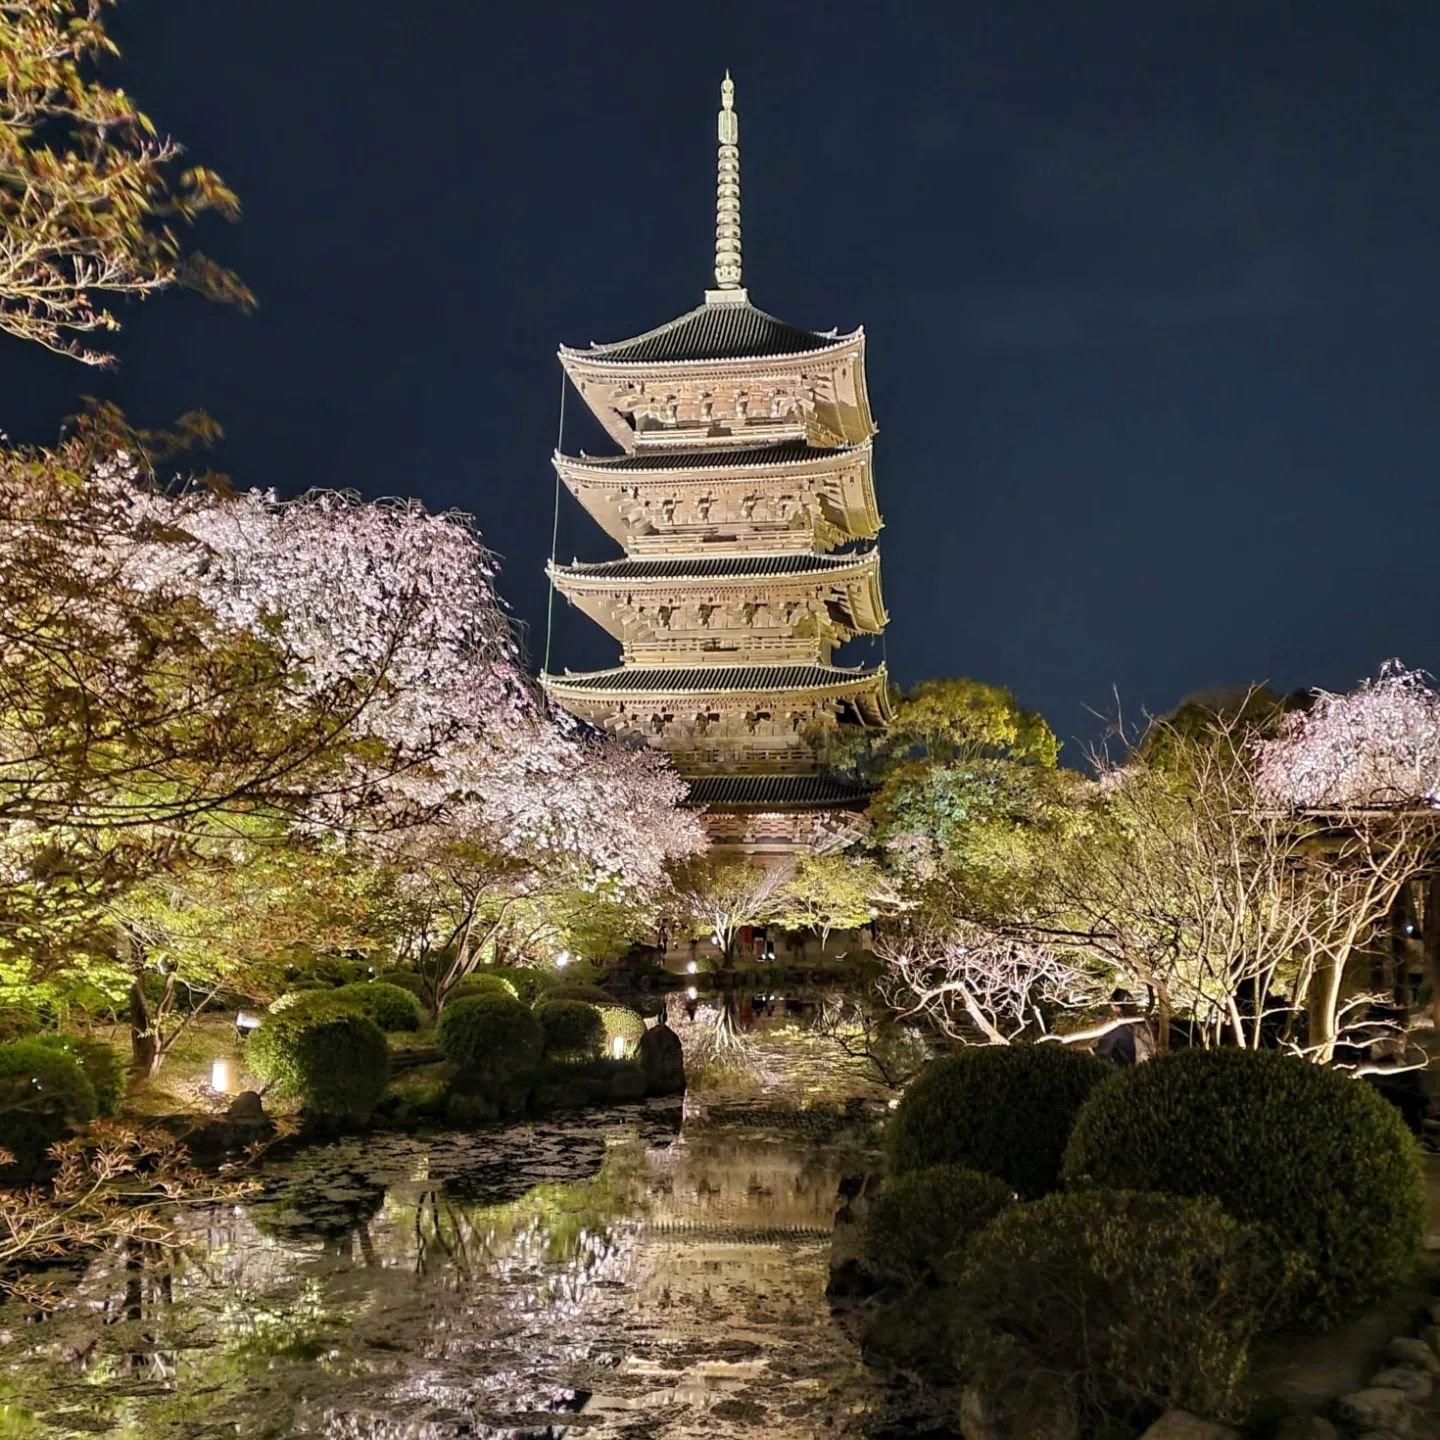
(730,331)
(714,679)
(777,792)
(787,452)
(706,567)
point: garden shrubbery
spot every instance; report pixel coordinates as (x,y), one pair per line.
(573,1030)
(621,1024)
(1128,1303)
(528,983)
(390,1006)
(102,1066)
(324,1053)
(579,990)
(918,1219)
(495,1040)
(1319,1160)
(409,980)
(43,1091)
(1004,1109)
(486,982)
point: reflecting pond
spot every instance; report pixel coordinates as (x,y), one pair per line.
(621,1273)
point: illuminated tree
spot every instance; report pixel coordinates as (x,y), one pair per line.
(833,891)
(91,198)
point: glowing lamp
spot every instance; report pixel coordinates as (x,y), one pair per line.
(691,968)
(617,1047)
(692,993)
(222,1079)
(562,959)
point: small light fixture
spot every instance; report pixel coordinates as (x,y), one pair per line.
(692,993)
(221,1078)
(692,968)
(562,959)
(245,1022)
(617,1047)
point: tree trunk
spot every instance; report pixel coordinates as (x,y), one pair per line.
(1325,1009)
(144,1046)
(1431,935)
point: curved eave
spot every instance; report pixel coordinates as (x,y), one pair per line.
(598,362)
(603,470)
(866,690)
(858,586)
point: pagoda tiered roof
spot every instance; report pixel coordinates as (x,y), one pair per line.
(776,792)
(656,461)
(720,567)
(719,330)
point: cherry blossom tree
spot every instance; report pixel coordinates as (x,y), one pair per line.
(1377,746)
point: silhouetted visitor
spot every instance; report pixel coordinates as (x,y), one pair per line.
(1126,1044)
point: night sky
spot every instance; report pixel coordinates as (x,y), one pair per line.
(1150,292)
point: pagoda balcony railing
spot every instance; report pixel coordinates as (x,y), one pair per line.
(652,434)
(688,539)
(739,649)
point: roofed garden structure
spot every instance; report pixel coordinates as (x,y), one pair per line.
(743,499)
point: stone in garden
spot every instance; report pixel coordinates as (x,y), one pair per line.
(246,1109)
(1378,1408)
(1431,1336)
(662,1058)
(1405,1351)
(1306,1427)
(1182,1425)
(1417,1384)
(1028,1412)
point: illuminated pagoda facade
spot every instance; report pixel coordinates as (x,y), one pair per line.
(744,501)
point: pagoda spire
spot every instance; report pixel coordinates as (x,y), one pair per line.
(727,196)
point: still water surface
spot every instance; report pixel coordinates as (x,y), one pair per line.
(618,1274)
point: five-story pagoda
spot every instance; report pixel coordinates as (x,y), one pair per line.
(744,502)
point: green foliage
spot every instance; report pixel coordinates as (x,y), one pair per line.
(494,1039)
(101,1064)
(407,980)
(1004,1109)
(389,1006)
(324,1053)
(529,983)
(1128,1303)
(579,990)
(621,1024)
(830,892)
(43,1091)
(919,1219)
(573,1029)
(949,720)
(1318,1159)
(484,982)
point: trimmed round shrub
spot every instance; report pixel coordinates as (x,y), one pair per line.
(621,1024)
(102,1066)
(1318,1159)
(579,990)
(407,980)
(43,1091)
(483,983)
(323,1053)
(573,1029)
(1126,1303)
(494,1039)
(389,1006)
(529,984)
(917,1220)
(301,993)
(1003,1109)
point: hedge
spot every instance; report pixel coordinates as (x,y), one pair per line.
(573,1029)
(916,1221)
(323,1053)
(1317,1158)
(43,1090)
(495,1040)
(579,990)
(528,983)
(1003,1109)
(102,1066)
(391,1007)
(484,982)
(621,1024)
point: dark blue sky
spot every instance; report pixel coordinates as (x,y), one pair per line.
(1150,289)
